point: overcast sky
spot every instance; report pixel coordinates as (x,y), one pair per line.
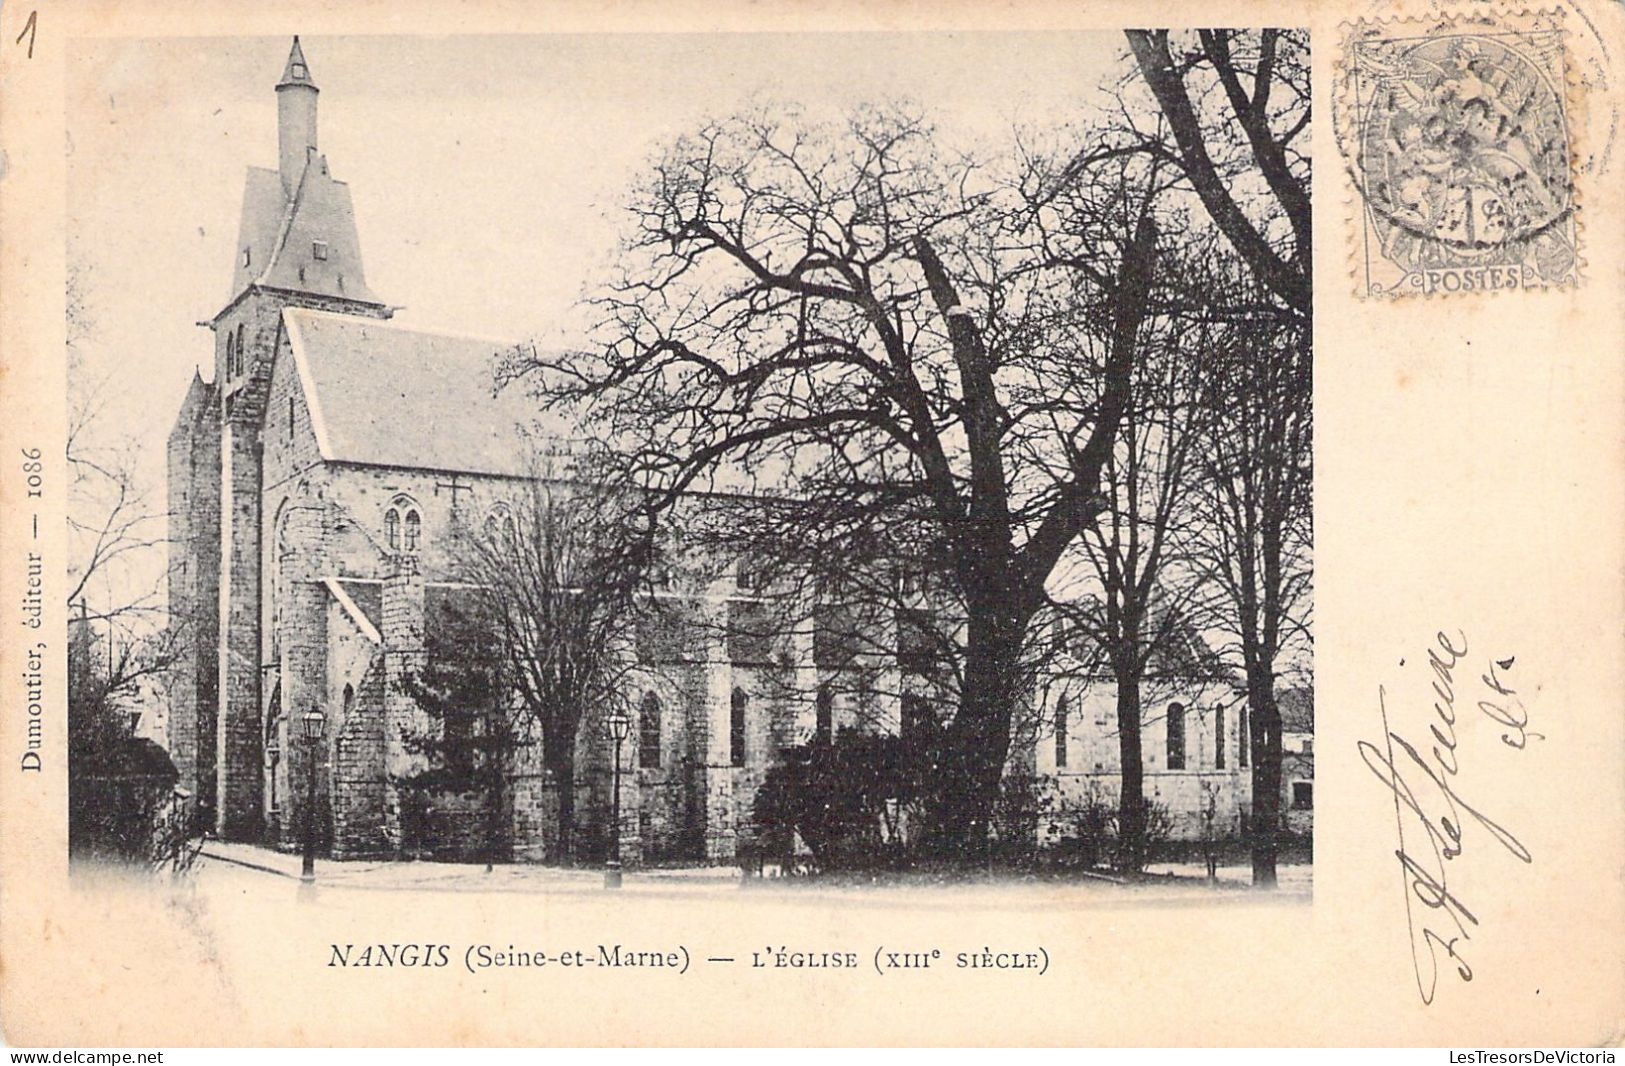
(485,170)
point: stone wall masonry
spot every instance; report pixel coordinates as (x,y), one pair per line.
(297,610)
(239,815)
(664,827)
(259,312)
(239,730)
(402,629)
(714,760)
(802,721)
(1092,742)
(1297,765)
(204,553)
(360,792)
(290,441)
(534,810)
(182,504)
(694,682)
(695,804)
(1184,794)
(220,743)
(449,505)
(192,458)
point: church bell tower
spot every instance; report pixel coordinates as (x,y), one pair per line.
(295,118)
(297,246)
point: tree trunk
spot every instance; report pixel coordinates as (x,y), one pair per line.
(1131,820)
(1264,723)
(495,812)
(978,740)
(561,763)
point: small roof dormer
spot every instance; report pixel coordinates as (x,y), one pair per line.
(296,72)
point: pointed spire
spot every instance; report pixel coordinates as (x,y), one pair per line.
(296,97)
(297,71)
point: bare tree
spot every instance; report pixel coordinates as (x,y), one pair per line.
(1236,108)
(1233,117)
(557,574)
(116,534)
(1140,620)
(119,647)
(835,312)
(1251,546)
(116,538)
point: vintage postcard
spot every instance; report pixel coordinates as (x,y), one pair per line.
(832,524)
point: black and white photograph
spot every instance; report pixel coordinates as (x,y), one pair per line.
(873,494)
(810,526)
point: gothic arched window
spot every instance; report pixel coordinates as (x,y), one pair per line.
(750,575)
(649,732)
(242,353)
(273,747)
(1218,738)
(824,730)
(499,527)
(231,354)
(1062,730)
(403,526)
(1176,736)
(736,728)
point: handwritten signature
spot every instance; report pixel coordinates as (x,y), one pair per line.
(1431,816)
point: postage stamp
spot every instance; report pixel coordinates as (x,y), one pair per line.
(1459,138)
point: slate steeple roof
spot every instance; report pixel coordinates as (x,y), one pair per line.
(298,233)
(296,71)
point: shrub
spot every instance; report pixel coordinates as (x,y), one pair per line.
(853,801)
(1087,835)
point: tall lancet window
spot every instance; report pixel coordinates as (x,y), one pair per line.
(824,710)
(649,733)
(392,529)
(1063,730)
(736,728)
(1176,736)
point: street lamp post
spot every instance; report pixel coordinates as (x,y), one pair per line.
(620,727)
(313,721)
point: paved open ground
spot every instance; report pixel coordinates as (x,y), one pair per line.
(240,863)
(276,962)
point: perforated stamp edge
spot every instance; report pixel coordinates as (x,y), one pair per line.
(1358,228)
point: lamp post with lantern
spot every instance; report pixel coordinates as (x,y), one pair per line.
(619,725)
(313,723)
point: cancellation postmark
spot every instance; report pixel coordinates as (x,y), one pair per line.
(1459,136)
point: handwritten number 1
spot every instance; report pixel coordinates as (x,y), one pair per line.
(29,30)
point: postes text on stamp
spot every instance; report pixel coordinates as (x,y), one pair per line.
(1459,141)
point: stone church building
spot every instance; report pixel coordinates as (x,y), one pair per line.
(319,481)
(319,484)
